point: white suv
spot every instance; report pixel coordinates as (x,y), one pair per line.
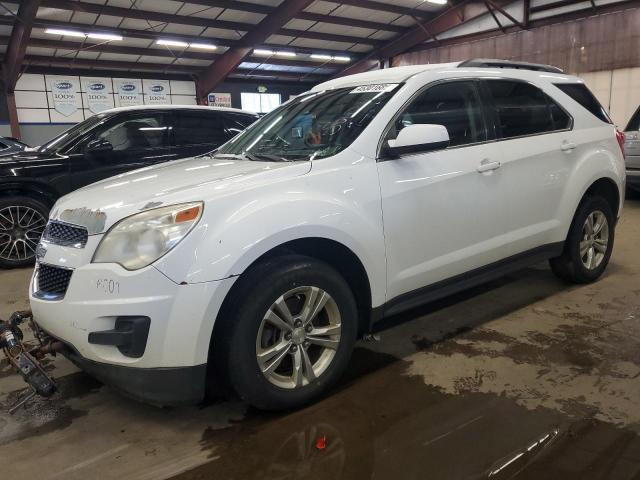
(265,260)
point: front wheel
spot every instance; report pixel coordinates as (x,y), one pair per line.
(22,221)
(589,244)
(289,334)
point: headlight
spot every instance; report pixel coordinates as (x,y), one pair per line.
(141,239)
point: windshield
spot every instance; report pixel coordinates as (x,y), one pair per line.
(70,134)
(314,125)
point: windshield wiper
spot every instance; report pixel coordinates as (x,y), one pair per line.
(261,157)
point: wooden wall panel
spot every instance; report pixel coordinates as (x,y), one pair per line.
(602,42)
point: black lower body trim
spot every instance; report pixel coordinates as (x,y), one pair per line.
(167,386)
(466,280)
(157,386)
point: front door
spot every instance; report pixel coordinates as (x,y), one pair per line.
(129,141)
(443,211)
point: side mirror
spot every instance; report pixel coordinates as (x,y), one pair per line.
(97,147)
(419,138)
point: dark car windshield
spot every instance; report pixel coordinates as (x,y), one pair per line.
(69,135)
(312,126)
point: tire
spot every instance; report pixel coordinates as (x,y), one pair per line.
(244,333)
(574,267)
(22,221)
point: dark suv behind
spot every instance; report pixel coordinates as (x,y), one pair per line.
(102,146)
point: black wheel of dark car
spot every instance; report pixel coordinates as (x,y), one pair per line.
(22,221)
(289,333)
(589,244)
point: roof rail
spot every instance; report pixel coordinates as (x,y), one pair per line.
(491,63)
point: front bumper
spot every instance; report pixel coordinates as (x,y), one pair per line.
(157,386)
(170,368)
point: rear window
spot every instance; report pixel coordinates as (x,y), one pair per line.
(634,123)
(581,94)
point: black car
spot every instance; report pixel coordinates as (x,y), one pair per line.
(104,145)
(9,146)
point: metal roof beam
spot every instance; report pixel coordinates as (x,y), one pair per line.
(17,45)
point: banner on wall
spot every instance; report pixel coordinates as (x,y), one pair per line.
(129,92)
(98,94)
(65,96)
(219,100)
(156,92)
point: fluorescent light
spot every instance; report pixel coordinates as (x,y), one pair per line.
(321,57)
(437,2)
(258,51)
(172,43)
(203,46)
(286,54)
(104,36)
(342,59)
(68,33)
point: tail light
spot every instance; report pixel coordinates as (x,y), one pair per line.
(620,138)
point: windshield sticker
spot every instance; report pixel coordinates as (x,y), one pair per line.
(380,87)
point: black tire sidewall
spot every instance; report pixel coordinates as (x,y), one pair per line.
(26,202)
(267,284)
(589,205)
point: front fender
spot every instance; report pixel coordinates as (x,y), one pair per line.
(340,205)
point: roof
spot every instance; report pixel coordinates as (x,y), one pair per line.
(387,75)
(177,107)
(484,67)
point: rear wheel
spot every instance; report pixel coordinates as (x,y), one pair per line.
(589,244)
(22,221)
(289,333)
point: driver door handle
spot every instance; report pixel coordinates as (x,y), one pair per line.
(567,146)
(487,166)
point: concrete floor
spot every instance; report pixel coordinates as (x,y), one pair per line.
(522,378)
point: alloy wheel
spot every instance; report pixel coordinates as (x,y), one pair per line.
(595,238)
(20,230)
(298,337)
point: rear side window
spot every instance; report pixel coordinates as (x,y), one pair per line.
(522,109)
(634,123)
(197,128)
(581,94)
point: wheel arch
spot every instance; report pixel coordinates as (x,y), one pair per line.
(606,188)
(330,251)
(35,190)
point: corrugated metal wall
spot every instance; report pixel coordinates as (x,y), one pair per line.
(602,42)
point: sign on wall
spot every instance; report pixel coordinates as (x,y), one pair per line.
(99,97)
(219,100)
(65,96)
(157,92)
(129,91)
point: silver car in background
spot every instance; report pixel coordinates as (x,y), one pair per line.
(632,151)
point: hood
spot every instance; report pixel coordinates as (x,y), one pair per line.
(25,157)
(101,204)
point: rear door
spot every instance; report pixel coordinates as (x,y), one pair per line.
(537,146)
(198,131)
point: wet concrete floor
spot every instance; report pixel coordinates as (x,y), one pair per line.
(523,378)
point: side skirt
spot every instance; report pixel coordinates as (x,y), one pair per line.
(464,281)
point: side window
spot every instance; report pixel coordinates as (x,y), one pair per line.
(234,123)
(523,109)
(454,105)
(634,123)
(581,94)
(198,128)
(136,133)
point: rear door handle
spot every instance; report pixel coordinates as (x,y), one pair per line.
(567,146)
(487,166)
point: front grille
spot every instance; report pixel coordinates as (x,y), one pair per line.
(65,235)
(52,281)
